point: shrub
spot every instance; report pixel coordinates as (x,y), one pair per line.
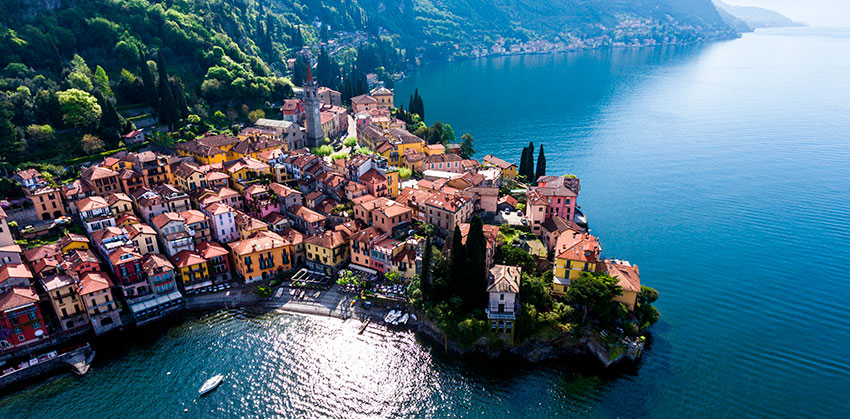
(350,142)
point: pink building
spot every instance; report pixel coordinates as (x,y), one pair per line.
(259,202)
(554,195)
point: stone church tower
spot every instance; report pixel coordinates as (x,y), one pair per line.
(312,109)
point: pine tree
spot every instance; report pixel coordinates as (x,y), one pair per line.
(168,113)
(110,121)
(466,146)
(541,165)
(179,98)
(147,81)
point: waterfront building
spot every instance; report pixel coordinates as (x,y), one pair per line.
(628,278)
(218,259)
(21,322)
(554,195)
(443,163)
(575,253)
(503,303)
(197,223)
(261,256)
(159,273)
(553,227)
(95,290)
(192,268)
(327,252)
(63,294)
(508,169)
(296,241)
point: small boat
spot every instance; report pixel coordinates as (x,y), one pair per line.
(211,384)
(302,295)
(292,291)
(404,319)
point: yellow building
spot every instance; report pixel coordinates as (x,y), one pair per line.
(119,203)
(576,253)
(261,256)
(393,183)
(188,177)
(208,150)
(245,172)
(254,145)
(628,277)
(508,169)
(327,252)
(71,242)
(64,297)
(191,267)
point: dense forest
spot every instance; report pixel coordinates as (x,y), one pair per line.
(78,73)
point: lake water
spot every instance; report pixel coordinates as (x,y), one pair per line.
(722,170)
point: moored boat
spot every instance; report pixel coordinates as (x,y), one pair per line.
(211,384)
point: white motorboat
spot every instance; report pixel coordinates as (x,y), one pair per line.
(404,318)
(292,291)
(211,384)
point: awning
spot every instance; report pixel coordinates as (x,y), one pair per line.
(363,269)
(199,285)
(142,306)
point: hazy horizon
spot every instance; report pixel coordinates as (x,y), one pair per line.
(813,12)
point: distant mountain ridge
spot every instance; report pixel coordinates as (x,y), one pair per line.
(752,17)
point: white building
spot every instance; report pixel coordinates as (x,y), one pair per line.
(503,288)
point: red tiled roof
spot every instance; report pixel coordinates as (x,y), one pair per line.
(93,282)
(186,258)
(17,297)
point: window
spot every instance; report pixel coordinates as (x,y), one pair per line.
(502,297)
(36,324)
(33,315)
(18,331)
(20,338)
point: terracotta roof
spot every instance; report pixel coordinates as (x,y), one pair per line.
(245,163)
(503,278)
(560,224)
(391,208)
(193,216)
(14,270)
(41,252)
(218,208)
(627,274)
(495,161)
(127,218)
(442,158)
(153,261)
(444,201)
(413,197)
(185,258)
(263,240)
(373,176)
(118,196)
(571,183)
(214,175)
(507,199)
(17,297)
(307,214)
(93,282)
(282,190)
(209,250)
(292,235)
(163,219)
(577,246)
(123,255)
(328,239)
(91,203)
(28,174)
(56,281)
(97,172)
(72,238)
(134,230)
(290,105)
(363,100)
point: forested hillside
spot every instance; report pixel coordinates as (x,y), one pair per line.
(73,67)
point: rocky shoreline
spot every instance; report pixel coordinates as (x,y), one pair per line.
(591,344)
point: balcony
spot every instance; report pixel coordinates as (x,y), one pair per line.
(499,316)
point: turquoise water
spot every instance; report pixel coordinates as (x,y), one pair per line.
(722,170)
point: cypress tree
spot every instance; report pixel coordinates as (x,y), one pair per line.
(179,98)
(476,248)
(425,277)
(147,81)
(529,167)
(168,113)
(523,162)
(541,165)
